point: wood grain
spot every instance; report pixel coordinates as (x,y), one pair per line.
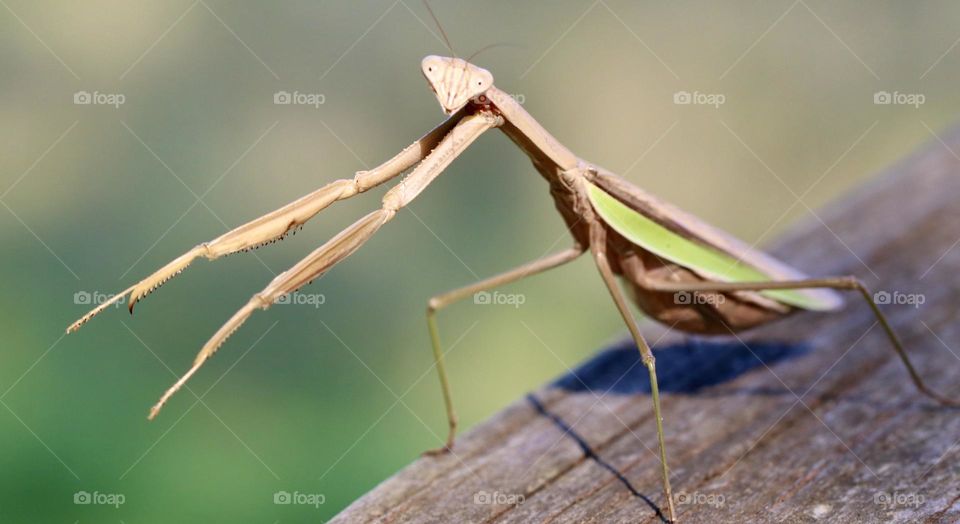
(809,419)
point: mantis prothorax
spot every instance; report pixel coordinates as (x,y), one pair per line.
(656,249)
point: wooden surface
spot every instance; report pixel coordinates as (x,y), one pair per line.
(809,419)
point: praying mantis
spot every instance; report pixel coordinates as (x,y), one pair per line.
(677,269)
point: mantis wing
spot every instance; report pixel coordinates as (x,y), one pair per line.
(682,239)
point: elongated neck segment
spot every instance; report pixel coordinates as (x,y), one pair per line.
(545,151)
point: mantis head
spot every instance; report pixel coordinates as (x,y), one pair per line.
(454,80)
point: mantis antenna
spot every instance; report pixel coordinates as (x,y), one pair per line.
(446,39)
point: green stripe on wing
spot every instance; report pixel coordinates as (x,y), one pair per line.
(682,251)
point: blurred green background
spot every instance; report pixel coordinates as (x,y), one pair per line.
(305,399)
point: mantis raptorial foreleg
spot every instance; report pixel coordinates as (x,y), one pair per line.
(841,283)
(349,240)
(276,224)
(598,249)
(441,301)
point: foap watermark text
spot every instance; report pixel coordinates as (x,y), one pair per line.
(95,298)
(898,298)
(696,98)
(296,98)
(299,499)
(896,98)
(96,98)
(715,500)
(891,500)
(99,499)
(497,298)
(302,299)
(688,298)
(496,497)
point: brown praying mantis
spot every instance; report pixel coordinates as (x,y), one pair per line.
(658,251)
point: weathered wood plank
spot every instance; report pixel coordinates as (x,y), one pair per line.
(809,419)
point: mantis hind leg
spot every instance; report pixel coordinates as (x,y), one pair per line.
(439,302)
(839,283)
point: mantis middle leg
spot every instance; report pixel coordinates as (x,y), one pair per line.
(441,301)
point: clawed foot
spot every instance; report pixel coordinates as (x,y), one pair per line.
(445,450)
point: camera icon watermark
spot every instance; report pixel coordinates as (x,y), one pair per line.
(715,500)
(482,498)
(688,298)
(302,299)
(86,498)
(301,499)
(884,98)
(685,98)
(296,98)
(485,298)
(96,98)
(897,298)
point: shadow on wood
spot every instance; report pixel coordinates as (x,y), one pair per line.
(683,367)
(809,419)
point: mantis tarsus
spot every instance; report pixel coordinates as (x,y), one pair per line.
(656,249)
